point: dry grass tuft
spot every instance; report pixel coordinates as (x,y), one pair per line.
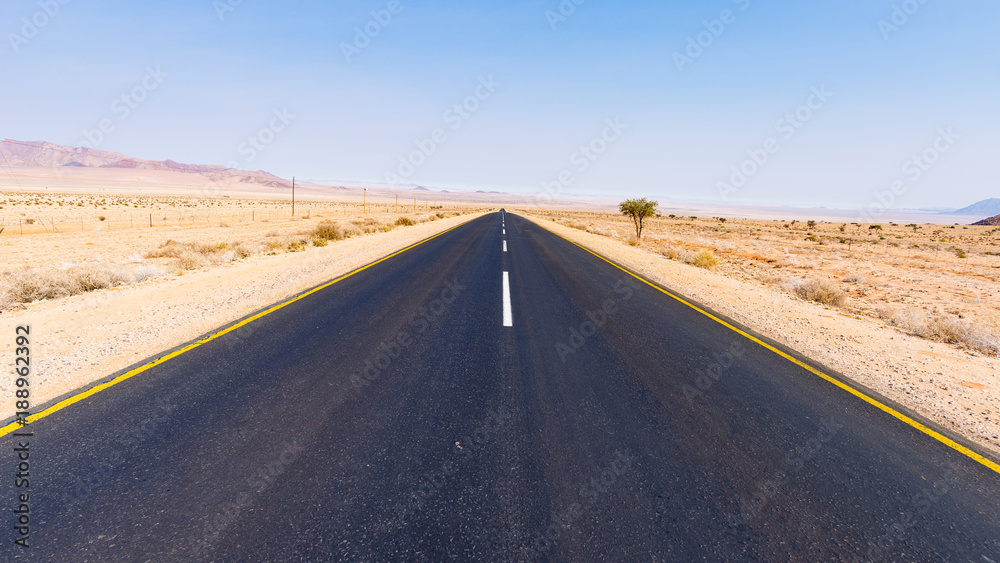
(241,250)
(817,290)
(143,273)
(328,230)
(944,328)
(30,285)
(189,261)
(405,222)
(272,246)
(704,259)
(191,255)
(670,253)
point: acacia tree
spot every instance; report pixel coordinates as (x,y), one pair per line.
(638,210)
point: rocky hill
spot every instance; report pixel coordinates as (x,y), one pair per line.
(48,155)
(994,221)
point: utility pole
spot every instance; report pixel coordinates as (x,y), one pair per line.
(293,196)
(397,203)
(364,201)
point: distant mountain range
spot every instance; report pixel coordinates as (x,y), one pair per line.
(986,207)
(49,155)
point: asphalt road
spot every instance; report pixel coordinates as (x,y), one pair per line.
(393,417)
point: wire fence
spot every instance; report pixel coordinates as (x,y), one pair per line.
(54,221)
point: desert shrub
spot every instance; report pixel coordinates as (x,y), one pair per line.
(169,249)
(92,279)
(188,260)
(319,242)
(328,230)
(145,272)
(855,278)
(820,291)
(296,246)
(174,249)
(704,259)
(31,285)
(272,246)
(209,249)
(943,328)
(670,253)
(405,222)
(632,241)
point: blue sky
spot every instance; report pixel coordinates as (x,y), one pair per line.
(556,84)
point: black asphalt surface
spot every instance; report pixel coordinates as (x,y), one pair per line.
(390,417)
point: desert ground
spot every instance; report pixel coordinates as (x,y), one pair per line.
(939,281)
(54,236)
(910,311)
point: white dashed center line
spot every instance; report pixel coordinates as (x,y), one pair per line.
(505,246)
(508,319)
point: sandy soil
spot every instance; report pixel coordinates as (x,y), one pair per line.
(82,338)
(760,263)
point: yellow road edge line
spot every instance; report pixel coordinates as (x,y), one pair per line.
(857,393)
(134,372)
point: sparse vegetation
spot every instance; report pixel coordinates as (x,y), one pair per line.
(943,328)
(705,259)
(328,230)
(638,210)
(818,290)
(670,253)
(31,285)
(143,273)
